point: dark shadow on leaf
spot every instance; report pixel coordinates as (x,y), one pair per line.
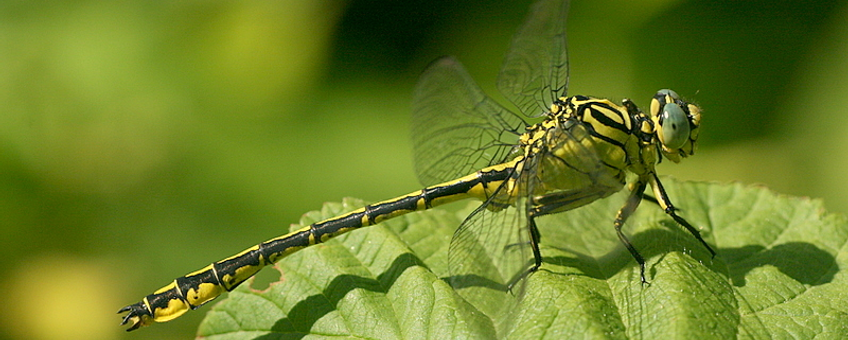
(465,281)
(649,243)
(801,261)
(307,312)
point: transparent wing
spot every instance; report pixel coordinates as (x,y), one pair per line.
(491,247)
(535,70)
(487,251)
(456,128)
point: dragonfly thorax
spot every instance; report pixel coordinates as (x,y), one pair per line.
(606,139)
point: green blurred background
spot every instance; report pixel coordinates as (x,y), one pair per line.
(140,140)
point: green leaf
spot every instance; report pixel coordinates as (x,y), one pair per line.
(778,274)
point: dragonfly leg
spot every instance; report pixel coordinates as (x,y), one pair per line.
(665,204)
(636,192)
(534,243)
(570,199)
(550,204)
(650,198)
(537,254)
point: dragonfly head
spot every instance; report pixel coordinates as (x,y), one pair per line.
(676,123)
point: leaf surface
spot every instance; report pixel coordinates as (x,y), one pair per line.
(778,274)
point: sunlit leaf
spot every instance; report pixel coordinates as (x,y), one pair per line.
(778,274)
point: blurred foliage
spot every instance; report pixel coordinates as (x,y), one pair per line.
(141,140)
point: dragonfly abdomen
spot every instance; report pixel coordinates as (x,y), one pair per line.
(197,288)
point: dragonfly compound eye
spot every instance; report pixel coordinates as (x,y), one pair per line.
(675,126)
(667,92)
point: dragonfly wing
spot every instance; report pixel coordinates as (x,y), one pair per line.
(487,249)
(456,128)
(535,70)
(486,252)
(491,247)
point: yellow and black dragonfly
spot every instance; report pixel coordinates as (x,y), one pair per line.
(579,150)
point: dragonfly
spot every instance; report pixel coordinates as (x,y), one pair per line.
(467,146)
